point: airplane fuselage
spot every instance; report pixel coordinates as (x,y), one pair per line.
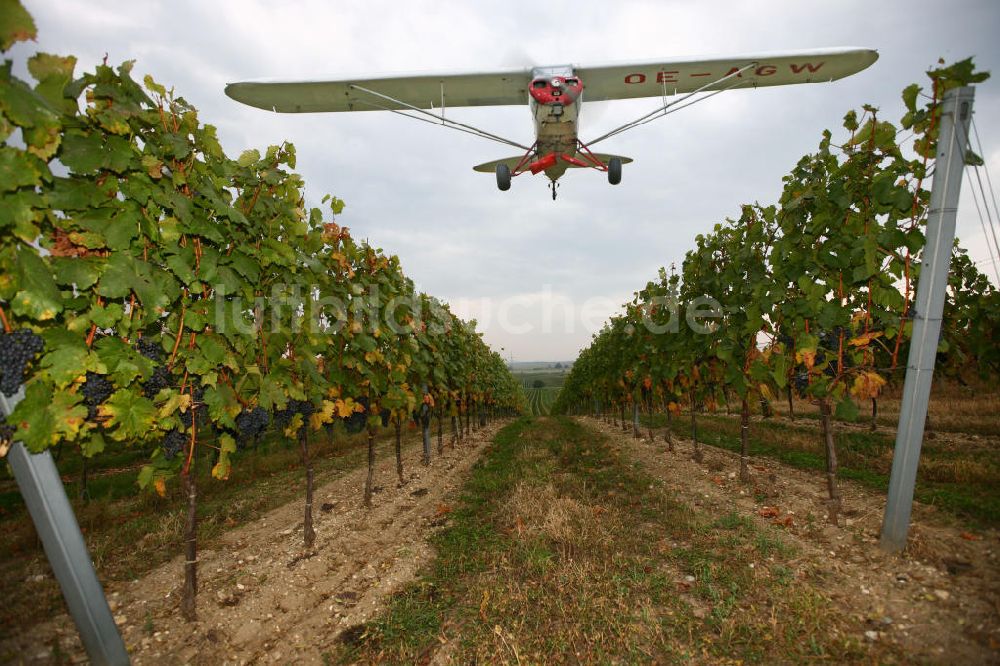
(554,97)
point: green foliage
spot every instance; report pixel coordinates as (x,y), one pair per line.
(813,292)
(124,224)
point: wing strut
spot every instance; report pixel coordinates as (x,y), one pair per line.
(436,119)
(670,107)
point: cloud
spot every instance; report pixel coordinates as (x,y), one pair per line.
(409,186)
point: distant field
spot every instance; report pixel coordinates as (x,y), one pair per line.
(549,378)
(540,400)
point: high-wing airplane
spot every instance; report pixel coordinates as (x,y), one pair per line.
(554,95)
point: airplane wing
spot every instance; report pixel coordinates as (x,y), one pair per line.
(655,78)
(424,91)
(651,78)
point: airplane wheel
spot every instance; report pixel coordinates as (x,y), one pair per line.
(503,177)
(614,170)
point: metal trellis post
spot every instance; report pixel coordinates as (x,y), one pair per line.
(928,306)
(44,494)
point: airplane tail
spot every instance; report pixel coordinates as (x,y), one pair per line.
(513,162)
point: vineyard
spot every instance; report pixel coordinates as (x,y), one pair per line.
(161,297)
(279,450)
(807,299)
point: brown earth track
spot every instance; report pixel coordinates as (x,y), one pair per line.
(939,600)
(262,598)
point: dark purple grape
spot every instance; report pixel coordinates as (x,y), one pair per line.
(159,380)
(149,348)
(250,424)
(96,389)
(6,431)
(284,416)
(17,350)
(173,443)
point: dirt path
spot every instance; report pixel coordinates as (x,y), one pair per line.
(940,600)
(262,598)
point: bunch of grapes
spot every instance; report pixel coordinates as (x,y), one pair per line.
(17,349)
(283,417)
(250,424)
(357,421)
(159,380)
(801,382)
(173,443)
(6,431)
(148,348)
(96,389)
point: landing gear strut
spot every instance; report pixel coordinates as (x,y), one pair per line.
(552,186)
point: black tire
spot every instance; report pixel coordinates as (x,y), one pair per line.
(615,170)
(503,177)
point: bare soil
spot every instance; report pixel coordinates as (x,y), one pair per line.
(939,600)
(264,599)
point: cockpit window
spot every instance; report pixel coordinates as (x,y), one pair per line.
(538,84)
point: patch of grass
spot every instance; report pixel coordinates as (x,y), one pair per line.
(562,551)
(866,457)
(960,479)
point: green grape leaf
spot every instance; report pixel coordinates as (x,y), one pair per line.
(108,316)
(16,24)
(123,363)
(227,446)
(847,410)
(18,169)
(53,73)
(129,416)
(69,359)
(82,153)
(81,272)
(222,405)
(248,157)
(35,425)
(38,296)
(93,445)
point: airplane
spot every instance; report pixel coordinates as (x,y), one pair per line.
(554,95)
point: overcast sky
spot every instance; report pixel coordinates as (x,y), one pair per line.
(539,275)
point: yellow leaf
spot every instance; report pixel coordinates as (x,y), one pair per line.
(323,415)
(160,486)
(765,391)
(807,357)
(864,340)
(292,430)
(221,470)
(345,408)
(867,385)
(178,401)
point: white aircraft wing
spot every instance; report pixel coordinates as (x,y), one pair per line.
(424,91)
(655,78)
